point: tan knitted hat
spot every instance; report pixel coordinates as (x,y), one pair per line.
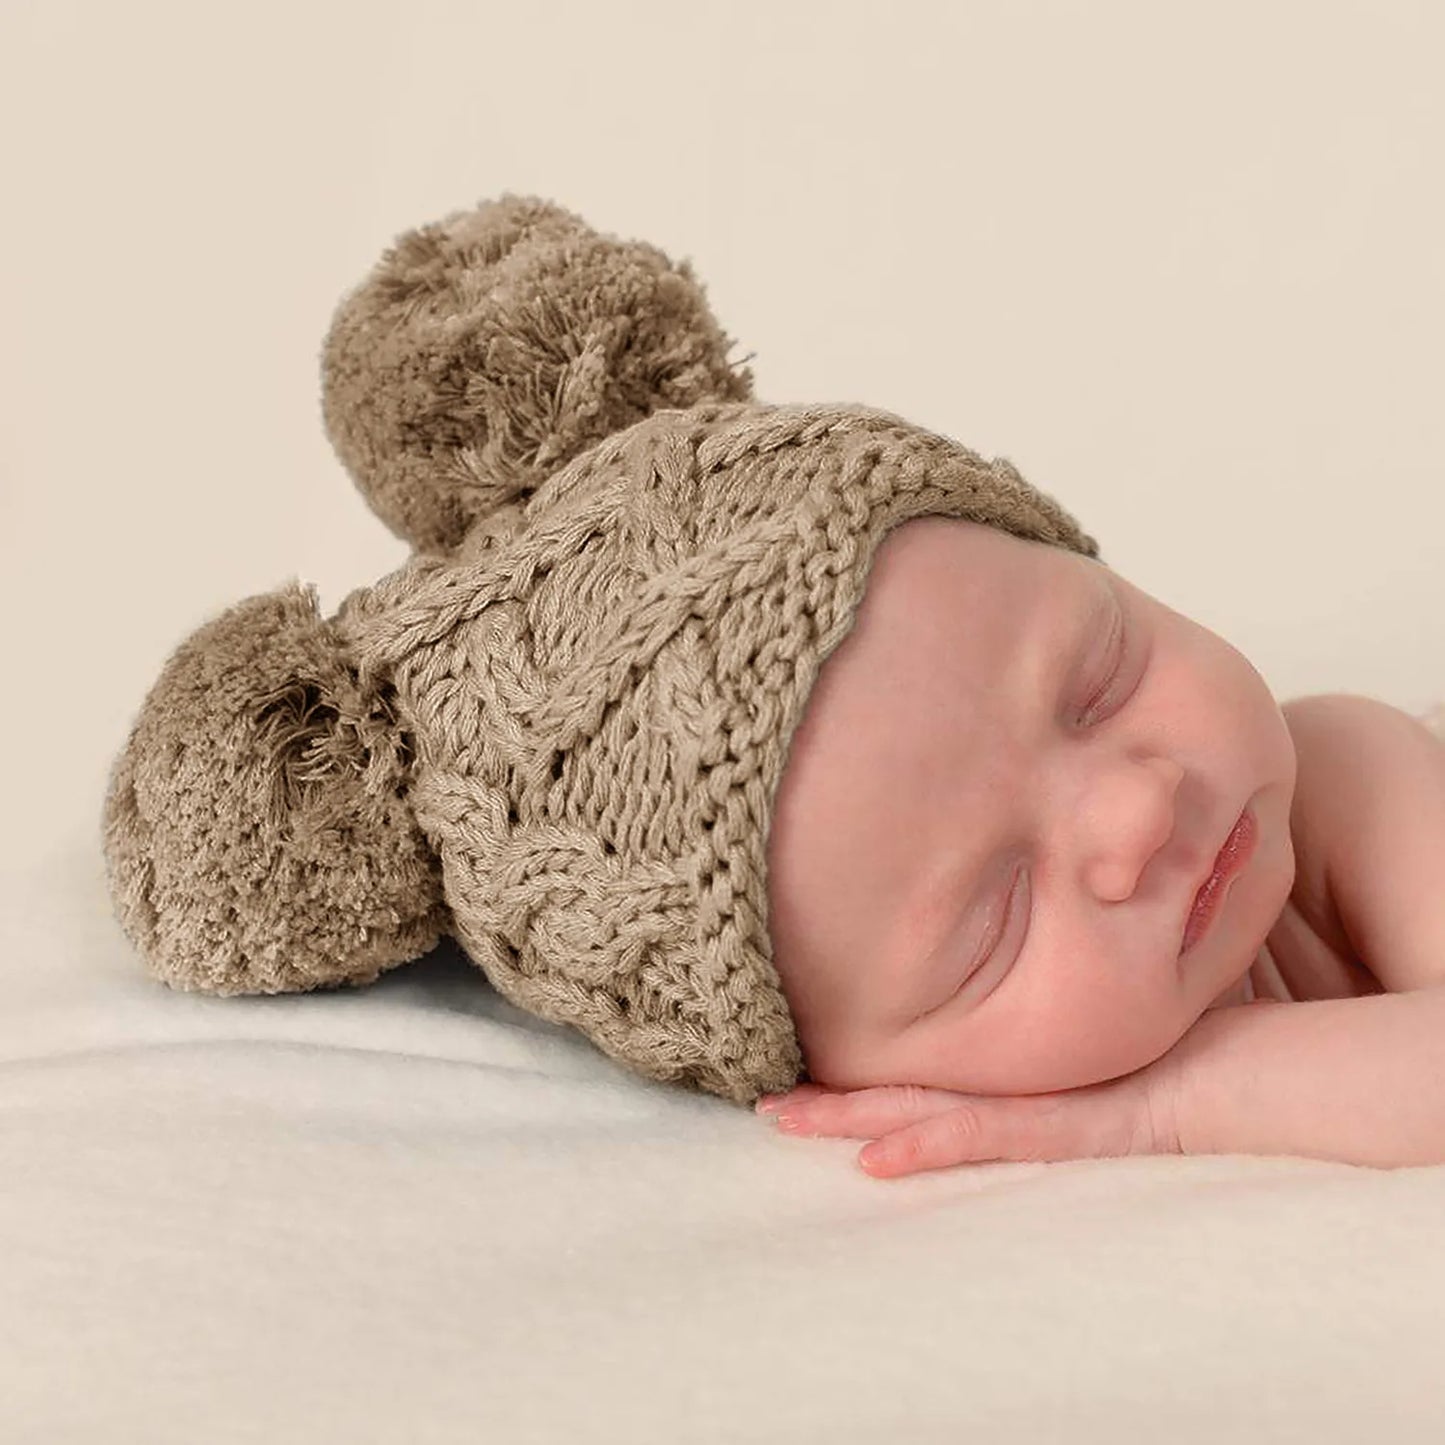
(557,732)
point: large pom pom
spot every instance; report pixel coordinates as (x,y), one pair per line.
(258,833)
(486,350)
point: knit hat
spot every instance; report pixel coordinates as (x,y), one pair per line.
(557,732)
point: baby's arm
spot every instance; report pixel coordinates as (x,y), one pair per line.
(1354,1080)
(1358,1080)
(1371,800)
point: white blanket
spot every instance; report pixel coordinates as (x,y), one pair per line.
(414,1213)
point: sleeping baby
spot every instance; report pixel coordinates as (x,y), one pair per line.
(769,744)
(1150,838)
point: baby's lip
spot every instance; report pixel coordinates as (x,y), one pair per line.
(1213,863)
(1239,849)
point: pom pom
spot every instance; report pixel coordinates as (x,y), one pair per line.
(486,350)
(258,834)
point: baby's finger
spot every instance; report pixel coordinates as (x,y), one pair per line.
(958,1135)
(777,1103)
(866,1113)
(1095,1122)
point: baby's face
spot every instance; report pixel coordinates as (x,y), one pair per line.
(1010,780)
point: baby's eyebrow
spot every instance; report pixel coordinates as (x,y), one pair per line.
(934,970)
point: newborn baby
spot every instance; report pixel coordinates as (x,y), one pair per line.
(1012,779)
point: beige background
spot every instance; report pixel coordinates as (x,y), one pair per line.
(1183,264)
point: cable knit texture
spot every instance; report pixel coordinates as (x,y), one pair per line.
(557,732)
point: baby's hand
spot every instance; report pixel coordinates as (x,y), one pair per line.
(916,1128)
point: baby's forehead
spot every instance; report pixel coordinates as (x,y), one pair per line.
(952,610)
(941,541)
(937,570)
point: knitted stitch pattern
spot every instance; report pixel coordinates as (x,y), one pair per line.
(557,732)
(605,701)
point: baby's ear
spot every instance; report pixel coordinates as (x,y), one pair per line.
(258,837)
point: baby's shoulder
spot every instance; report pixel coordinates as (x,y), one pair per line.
(1368,822)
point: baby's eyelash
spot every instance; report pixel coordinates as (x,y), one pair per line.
(1104,690)
(1011,903)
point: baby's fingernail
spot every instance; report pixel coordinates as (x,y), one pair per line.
(769,1103)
